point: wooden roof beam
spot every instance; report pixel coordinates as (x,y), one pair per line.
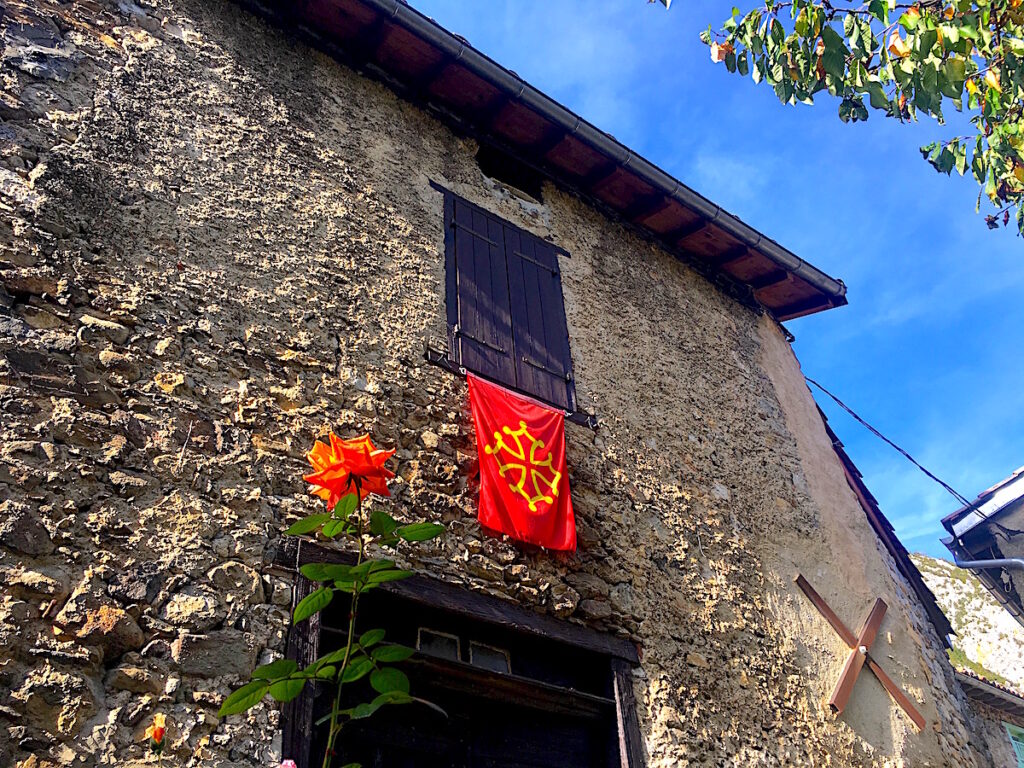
(988,693)
(804,307)
(489,115)
(729,256)
(683,232)
(645,206)
(599,175)
(421,84)
(774,277)
(554,138)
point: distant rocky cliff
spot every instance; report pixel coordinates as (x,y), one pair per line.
(989,641)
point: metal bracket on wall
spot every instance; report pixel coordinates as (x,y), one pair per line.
(441,360)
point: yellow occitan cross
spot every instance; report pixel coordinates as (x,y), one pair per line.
(525,461)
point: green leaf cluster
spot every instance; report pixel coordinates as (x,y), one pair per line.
(353,579)
(902,60)
(364,658)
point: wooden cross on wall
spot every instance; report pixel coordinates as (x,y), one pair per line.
(860,647)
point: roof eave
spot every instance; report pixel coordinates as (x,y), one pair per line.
(634,188)
(991,695)
(986,578)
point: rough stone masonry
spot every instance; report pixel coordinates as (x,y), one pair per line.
(216,245)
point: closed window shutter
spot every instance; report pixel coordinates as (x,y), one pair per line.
(480,316)
(542,359)
(1017,740)
(506,316)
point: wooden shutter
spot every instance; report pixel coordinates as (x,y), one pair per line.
(543,363)
(505,311)
(1017,740)
(478,298)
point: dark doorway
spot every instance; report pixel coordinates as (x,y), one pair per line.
(479,732)
(512,701)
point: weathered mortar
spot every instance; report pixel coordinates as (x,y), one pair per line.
(217,245)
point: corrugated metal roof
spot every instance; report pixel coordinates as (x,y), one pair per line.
(442,72)
(988,504)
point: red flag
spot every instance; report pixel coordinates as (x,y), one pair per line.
(524,488)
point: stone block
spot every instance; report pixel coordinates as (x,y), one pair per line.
(93,327)
(169,381)
(111,629)
(40,319)
(622,598)
(36,584)
(698,660)
(138,584)
(564,599)
(59,701)
(135,679)
(589,585)
(228,652)
(120,362)
(194,608)
(13,328)
(595,609)
(22,531)
(91,618)
(282,593)
(27,282)
(237,582)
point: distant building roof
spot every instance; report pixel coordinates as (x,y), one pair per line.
(997,499)
(989,692)
(441,71)
(990,528)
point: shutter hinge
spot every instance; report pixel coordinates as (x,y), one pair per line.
(473,232)
(457,331)
(542,367)
(548,267)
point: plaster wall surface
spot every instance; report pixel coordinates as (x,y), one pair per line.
(216,245)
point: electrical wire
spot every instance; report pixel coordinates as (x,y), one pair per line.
(885,439)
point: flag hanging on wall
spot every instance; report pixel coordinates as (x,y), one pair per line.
(524,488)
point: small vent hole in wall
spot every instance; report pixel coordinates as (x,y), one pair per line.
(520,178)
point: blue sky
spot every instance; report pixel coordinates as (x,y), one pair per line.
(925,351)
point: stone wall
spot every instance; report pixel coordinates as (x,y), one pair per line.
(994,733)
(217,244)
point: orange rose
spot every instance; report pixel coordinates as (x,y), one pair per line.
(343,465)
(155,732)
